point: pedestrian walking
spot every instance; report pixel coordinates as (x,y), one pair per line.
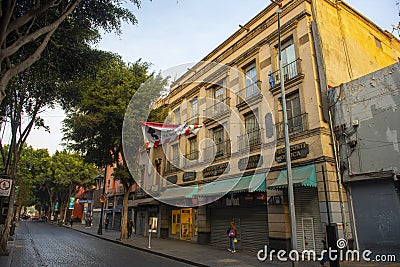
(130,227)
(325,257)
(106,223)
(232,237)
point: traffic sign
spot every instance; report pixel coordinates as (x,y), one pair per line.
(5,187)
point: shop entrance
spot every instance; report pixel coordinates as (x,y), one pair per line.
(186,224)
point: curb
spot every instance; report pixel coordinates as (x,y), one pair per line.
(143,249)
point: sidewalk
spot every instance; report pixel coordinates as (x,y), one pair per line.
(191,253)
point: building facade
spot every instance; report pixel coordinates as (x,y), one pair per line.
(234,168)
(366,119)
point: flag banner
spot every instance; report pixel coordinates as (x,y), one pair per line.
(156,134)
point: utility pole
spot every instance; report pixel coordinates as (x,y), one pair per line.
(286,137)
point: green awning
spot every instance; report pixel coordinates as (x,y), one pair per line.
(302,176)
(249,183)
(178,192)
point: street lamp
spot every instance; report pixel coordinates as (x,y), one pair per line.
(286,136)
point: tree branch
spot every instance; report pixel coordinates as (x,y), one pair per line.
(5,18)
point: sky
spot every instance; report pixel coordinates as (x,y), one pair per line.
(174,32)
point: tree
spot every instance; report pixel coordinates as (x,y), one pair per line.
(70,173)
(25,31)
(30,25)
(94,126)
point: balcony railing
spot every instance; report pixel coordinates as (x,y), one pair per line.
(290,71)
(295,124)
(193,119)
(218,108)
(251,140)
(172,166)
(217,150)
(192,155)
(250,92)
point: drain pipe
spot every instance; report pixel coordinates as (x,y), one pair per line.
(339,177)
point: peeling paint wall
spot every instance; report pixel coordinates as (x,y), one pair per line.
(372,102)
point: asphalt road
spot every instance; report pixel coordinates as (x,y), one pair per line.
(41,244)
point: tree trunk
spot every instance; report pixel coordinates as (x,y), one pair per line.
(124,222)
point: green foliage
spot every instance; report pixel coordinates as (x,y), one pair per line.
(94,126)
(158,115)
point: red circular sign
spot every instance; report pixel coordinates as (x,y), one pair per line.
(4,185)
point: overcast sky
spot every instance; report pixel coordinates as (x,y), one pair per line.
(173,32)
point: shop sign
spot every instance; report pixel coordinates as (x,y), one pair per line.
(261,196)
(216,170)
(297,151)
(172,179)
(71,203)
(248,197)
(189,176)
(250,162)
(234,200)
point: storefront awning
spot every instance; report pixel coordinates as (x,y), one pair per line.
(143,201)
(302,176)
(251,183)
(179,192)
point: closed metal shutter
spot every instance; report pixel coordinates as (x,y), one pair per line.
(308,219)
(251,224)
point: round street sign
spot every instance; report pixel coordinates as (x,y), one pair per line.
(5,184)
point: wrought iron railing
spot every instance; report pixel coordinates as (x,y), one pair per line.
(295,124)
(172,166)
(290,71)
(217,108)
(250,140)
(193,119)
(192,155)
(217,150)
(249,92)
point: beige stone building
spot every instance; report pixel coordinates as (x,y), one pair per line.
(235,165)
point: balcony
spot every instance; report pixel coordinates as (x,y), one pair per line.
(251,140)
(193,119)
(217,150)
(295,124)
(290,72)
(172,166)
(249,93)
(194,155)
(218,108)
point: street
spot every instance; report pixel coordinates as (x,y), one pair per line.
(41,244)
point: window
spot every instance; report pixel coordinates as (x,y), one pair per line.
(193,152)
(378,43)
(175,155)
(251,81)
(219,141)
(252,129)
(194,110)
(295,121)
(288,60)
(177,115)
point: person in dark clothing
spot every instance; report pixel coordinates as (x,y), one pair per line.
(71,221)
(106,223)
(130,227)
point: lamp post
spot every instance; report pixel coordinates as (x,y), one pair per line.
(102,201)
(286,138)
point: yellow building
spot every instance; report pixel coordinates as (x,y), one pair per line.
(234,168)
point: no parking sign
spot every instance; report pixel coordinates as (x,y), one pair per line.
(5,187)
